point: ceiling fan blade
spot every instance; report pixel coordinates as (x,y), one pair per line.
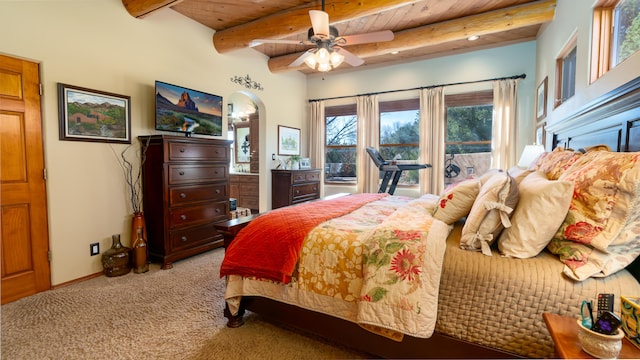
(319,22)
(349,57)
(297,62)
(257,42)
(378,36)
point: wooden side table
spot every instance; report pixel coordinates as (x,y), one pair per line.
(229,229)
(564,332)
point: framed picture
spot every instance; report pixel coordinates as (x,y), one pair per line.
(305,163)
(541,135)
(242,143)
(541,100)
(91,115)
(288,140)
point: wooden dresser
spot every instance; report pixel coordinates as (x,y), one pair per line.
(185,192)
(245,188)
(291,187)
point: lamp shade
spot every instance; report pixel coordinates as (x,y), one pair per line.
(529,154)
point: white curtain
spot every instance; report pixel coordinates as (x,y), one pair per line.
(368,136)
(317,129)
(503,144)
(432,137)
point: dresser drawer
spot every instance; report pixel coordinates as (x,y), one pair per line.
(180,151)
(199,193)
(184,239)
(192,215)
(304,191)
(306,176)
(182,174)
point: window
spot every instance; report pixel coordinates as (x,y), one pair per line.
(469,121)
(616,34)
(340,147)
(566,73)
(400,134)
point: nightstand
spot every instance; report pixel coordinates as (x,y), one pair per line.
(564,332)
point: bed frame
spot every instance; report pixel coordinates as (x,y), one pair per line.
(613,120)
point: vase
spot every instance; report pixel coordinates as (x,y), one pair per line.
(139,253)
(116,260)
(136,222)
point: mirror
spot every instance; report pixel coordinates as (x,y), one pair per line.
(243,143)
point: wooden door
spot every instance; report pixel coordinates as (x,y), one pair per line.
(24,240)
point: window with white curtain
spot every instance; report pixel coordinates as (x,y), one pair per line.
(400,135)
(340,146)
(469,120)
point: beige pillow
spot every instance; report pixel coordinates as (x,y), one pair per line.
(457,200)
(490,213)
(519,173)
(541,210)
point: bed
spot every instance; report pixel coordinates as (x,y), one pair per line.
(472,294)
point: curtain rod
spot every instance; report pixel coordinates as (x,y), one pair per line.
(521,76)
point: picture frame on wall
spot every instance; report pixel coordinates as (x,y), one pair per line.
(541,100)
(92,115)
(541,135)
(288,140)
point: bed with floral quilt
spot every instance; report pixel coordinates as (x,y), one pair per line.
(465,273)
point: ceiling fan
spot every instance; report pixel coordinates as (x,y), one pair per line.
(328,52)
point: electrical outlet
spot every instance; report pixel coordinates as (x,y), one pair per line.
(95,249)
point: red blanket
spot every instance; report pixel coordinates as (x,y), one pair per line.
(269,246)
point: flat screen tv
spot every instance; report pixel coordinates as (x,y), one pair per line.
(187,111)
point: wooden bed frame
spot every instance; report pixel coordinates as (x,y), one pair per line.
(613,120)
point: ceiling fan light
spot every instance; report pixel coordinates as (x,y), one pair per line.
(322,56)
(311,61)
(324,67)
(336,59)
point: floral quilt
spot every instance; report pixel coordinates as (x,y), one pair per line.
(378,266)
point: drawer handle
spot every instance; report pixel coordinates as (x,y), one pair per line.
(181,173)
(183,217)
(183,195)
(315,188)
(184,238)
(216,172)
(217,191)
(297,192)
(217,211)
(181,150)
(217,151)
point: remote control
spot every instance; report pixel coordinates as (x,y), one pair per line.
(605,303)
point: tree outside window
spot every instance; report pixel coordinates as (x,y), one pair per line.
(340,147)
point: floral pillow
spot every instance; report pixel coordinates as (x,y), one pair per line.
(606,200)
(490,213)
(541,209)
(554,163)
(457,200)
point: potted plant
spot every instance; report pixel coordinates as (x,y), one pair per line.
(293,162)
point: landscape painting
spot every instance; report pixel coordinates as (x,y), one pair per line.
(91,115)
(180,109)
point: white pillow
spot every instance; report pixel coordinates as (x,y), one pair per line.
(541,210)
(457,200)
(490,213)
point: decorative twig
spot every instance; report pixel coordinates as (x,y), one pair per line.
(133,178)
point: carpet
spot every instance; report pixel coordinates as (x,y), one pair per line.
(161,314)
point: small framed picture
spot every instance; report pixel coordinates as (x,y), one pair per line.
(288,140)
(541,100)
(92,115)
(305,163)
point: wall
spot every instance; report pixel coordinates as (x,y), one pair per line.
(96,44)
(478,65)
(574,17)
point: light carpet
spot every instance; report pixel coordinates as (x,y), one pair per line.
(161,314)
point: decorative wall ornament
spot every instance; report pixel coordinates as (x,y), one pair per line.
(247,82)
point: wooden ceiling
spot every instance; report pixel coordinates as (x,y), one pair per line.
(423,29)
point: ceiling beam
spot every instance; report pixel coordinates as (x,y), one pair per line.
(296,20)
(142,8)
(490,22)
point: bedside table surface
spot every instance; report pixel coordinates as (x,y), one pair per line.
(564,332)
